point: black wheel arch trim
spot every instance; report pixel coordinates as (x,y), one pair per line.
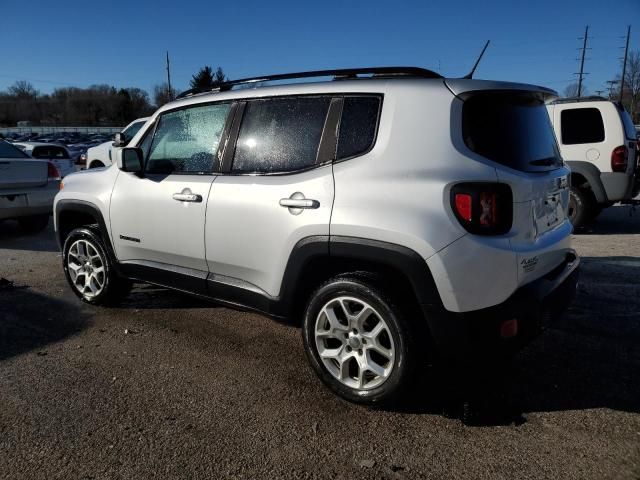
(82,206)
(592,174)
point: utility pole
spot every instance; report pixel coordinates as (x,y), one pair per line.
(624,63)
(584,49)
(169,92)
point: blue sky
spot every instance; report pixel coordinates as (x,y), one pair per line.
(123,43)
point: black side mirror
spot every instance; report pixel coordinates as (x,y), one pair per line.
(119,140)
(132,160)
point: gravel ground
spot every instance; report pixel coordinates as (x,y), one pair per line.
(167,386)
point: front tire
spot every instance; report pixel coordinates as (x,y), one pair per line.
(89,270)
(358,342)
(96,164)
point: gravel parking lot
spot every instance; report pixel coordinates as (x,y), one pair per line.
(167,386)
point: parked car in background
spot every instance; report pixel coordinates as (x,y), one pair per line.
(100,155)
(27,188)
(598,141)
(57,154)
(399,216)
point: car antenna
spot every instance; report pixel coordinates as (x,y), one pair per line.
(469,75)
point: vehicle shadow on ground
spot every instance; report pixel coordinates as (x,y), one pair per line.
(13,238)
(588,359)
(151,297)
(31,320)
(617,220)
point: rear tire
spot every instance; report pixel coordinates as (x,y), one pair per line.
(358,341)
(34,224)
(89,269)
(581,206)
(96,164)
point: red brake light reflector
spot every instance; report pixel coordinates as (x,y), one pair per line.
(619,159)
(463,205)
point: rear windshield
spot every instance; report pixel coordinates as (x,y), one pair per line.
(9,151)
(512,129)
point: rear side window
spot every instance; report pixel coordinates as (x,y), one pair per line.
(186,141)
(581,125)
(358,126)
(280,134)
(512,129)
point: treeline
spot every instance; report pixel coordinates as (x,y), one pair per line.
(71,106)
(97,105)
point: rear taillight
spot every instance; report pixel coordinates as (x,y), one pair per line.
(52,172)
(619,158)
(483,208)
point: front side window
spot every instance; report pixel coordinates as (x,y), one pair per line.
(581,125)
(280,134)
(186,140)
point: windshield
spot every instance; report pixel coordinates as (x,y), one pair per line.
(131,131)
(9,151)
(512,129)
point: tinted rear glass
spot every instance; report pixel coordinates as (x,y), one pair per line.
(358,125)
(511,129)
(581,125)
(9,151)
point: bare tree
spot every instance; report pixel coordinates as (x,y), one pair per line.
(571,90)
(631,93)
(162,94)
(23,89)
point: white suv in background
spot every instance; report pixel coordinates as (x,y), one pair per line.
(397,215)
(100,155)
(598,142)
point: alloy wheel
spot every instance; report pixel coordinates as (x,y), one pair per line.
(354,343)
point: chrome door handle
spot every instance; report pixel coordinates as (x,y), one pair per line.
(187,197)
(299,203)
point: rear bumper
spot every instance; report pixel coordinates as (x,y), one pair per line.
(23,204)
(618,186)
(470,336)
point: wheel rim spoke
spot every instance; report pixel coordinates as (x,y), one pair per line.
(86,268)
(354,343)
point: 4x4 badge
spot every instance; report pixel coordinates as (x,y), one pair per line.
(529,264)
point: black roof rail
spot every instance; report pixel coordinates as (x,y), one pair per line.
(338,74)
(591,98)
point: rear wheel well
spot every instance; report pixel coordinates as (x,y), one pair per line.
(320,269)
(579,181)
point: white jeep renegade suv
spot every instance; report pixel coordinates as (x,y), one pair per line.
(395,213)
